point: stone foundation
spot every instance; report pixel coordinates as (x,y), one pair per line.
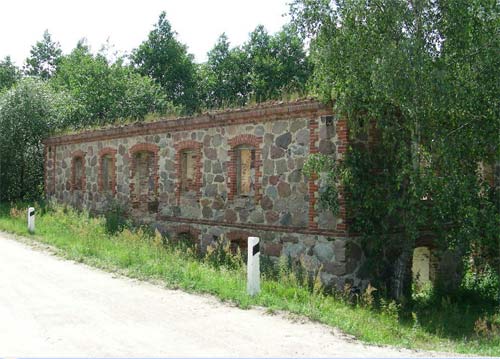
(337,259)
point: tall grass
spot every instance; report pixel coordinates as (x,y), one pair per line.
(136,253)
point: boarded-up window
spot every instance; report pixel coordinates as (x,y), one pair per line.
(107,173)
(144,179)
(188,162)
(245,170)
(78,173)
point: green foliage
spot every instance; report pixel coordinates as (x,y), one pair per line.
(163,58)
(278,63)
(29,112)
(9,74)
(325,168)
(105,93)
(225,78)
(219,254)
(265,68)
(44,58)
(115,218)
(426,73)
(444,326)
(485,283)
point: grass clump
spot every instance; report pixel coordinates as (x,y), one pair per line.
(430,324)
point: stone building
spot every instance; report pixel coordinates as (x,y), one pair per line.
(234,173)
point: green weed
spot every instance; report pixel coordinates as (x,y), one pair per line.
(444,325)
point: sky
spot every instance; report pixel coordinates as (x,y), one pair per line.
(124,24)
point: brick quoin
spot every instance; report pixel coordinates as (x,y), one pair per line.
(144,147)
(54,163)
(112,153)
(234,143)
(313,186)
(373,134)
(179,147)
(342,147)
(46,170)
(74,156)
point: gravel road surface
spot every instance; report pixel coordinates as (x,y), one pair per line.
(54,307)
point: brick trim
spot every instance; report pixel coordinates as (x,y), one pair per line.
(342,146)
(143,147)
(260,113)
(252,226)
(179,148)
(313,186)
(49,171)
(45,171)
(54,168)
(234,143)
(111,152)
(74,156)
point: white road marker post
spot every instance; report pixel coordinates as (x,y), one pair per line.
(253,266)
(31,220)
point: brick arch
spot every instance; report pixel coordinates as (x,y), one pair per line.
(150,147)
(238,239)
(246,139)
(144,147)
(104,152)
(179,147)
(426,240)
(176,231)
(78,154)
(234,143)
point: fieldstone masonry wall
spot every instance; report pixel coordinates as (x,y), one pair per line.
(281,209)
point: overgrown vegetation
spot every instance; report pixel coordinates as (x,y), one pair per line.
(158,78)
(28,113)
(468,325)
(418,84)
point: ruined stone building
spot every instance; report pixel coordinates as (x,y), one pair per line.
(236,173)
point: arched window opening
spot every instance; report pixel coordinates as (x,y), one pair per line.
(421,266)
(188,170)
(107,164)
(245,170)
(78,173)
(144,178)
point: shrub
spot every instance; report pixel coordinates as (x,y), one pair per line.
(485,282)
(115,218)
(220,254)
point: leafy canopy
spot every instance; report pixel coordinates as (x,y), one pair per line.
(266,67)
(44,58)
(29,112)
(425,72)
(105,92)
(166,60)
(225,77)
(9,73)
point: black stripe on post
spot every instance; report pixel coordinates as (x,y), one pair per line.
(256,249)
(32,213)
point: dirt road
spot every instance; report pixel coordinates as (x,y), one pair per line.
(53,307)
